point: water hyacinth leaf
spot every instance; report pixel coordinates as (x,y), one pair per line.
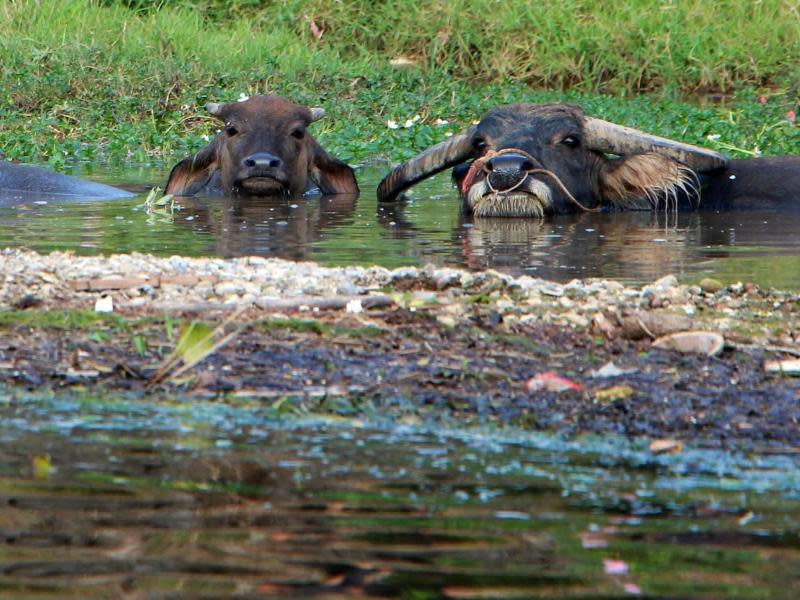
(151,196)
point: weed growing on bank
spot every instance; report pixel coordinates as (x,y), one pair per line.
(126,79)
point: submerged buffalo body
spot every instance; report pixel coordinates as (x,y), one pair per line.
(264,149)
(21,182)
(533,160)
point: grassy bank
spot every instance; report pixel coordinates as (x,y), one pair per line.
(126,79)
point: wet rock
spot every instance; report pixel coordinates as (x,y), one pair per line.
(695,342)
(26,301)
(785,367)
(639,324)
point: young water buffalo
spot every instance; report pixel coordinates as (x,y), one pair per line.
(263,149)
(533,160)
(22,183)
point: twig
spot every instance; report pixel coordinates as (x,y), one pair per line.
(778,349)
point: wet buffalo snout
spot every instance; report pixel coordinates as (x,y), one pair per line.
(511,163)
(262,159)
(508,170)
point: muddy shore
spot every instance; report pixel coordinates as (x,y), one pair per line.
(417,345)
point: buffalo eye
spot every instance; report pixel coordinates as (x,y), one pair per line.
(230,130)
(298,134)
(479,144)
(570,141)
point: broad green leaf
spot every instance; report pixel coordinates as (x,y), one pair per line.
(196,342)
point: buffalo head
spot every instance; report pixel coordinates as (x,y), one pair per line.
(264,149)
(530,160)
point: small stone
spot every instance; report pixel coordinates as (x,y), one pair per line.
(354,306)
(104,305)
(710,286)
(697,342)
(228,288)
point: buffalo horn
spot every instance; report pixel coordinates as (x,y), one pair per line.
(317,113)
(603,136)
(213,108)
(449,153)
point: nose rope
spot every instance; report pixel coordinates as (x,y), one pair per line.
(479,164)
(565,191)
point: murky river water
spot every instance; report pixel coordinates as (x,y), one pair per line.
(164,499)
(140,498)
(762,247)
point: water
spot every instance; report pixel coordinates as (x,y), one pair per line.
(168,498)
(171,499)
(635,247)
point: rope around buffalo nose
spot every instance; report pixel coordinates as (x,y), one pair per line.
(479,164)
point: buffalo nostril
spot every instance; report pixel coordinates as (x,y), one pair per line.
(526,166)
(262,159)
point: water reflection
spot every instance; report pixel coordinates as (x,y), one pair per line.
(758,246)
(167,500)
(285,227)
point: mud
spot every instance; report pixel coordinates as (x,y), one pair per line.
(415,364)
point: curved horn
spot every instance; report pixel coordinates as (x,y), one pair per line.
(617,139)
(436,158)
(213,108)
(317,113)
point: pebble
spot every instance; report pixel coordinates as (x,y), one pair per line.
(710,286)
(51,278)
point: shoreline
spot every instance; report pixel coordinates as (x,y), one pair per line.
(419,344)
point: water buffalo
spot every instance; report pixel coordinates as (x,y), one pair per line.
(21,183)
(264,149)
(531,160)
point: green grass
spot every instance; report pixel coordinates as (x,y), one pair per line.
(125,79)
(61,319)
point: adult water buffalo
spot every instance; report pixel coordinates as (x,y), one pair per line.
(531,160)
(21,183)
(264,149)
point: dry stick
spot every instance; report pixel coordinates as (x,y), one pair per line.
(779,349)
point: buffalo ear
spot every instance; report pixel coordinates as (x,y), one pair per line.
(194,172)
(331,175)
(645,180)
